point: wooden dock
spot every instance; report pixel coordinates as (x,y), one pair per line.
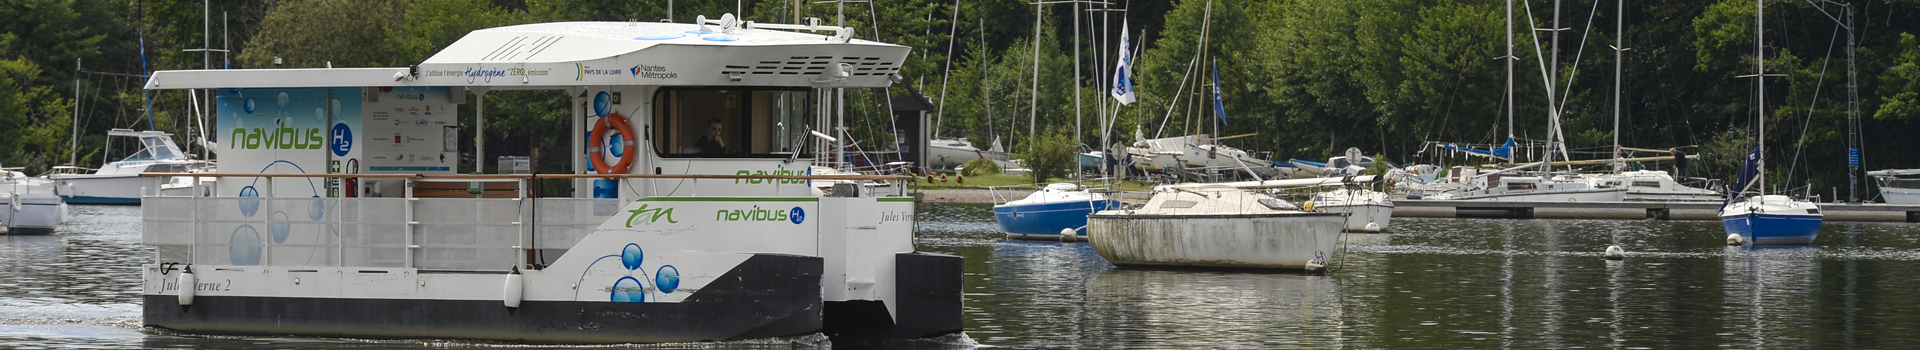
(1414,208)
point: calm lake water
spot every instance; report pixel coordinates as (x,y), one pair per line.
(1431,283)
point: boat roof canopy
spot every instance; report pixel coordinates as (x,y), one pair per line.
(561,55)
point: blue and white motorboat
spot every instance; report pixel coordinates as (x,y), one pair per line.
(1762,218)
(1047,212)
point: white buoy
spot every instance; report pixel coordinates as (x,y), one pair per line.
(187,286)
(1373,227)
(1735,239)
(1615,253)
(1316,266)
(513,289)
(1068,235)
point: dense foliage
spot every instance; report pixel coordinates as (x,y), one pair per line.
(1312,77)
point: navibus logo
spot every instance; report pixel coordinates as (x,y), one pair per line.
(278,137)
(795,215)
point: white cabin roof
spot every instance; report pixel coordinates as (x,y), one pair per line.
(573,54)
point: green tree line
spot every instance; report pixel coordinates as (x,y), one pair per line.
(1311,77)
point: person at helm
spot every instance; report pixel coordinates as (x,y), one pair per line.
(712,143)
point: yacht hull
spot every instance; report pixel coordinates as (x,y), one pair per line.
(38,215)
(1044,221)
(1774,229)
(1274,241)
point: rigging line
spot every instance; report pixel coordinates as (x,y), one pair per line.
(1176,98)
(1808,124)
(1576,58)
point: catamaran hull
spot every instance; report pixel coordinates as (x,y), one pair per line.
(38,215)
(1774,229)
(1044,221)
(1369,218)
(1276,241)
(768,295)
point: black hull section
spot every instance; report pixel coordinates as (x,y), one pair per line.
(928,289)
(765,296)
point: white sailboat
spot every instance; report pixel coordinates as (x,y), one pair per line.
(1475,184)
(119,182)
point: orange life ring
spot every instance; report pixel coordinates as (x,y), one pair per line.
(620,124)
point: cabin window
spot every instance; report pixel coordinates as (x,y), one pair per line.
(1652,184)
(1520,186)
(749,122)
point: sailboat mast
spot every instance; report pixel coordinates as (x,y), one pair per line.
(1510,60)
(1076,93)
(1619,46)
(1760,87)
(1553,83)
(953,26)
(1033,112)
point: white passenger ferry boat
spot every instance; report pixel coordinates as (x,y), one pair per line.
(339,211)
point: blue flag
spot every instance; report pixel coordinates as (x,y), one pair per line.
(1747,173)
(1219,107)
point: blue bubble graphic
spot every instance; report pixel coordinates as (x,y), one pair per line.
(601,103)
(661,36)
(316,208)
(668,278)
(630,256)
(720,38)
(246,246)
(248,106)
(281,229)
(616,144)
(628,290)
(249,202)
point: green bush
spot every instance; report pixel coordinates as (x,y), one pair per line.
(980,166)
(1049,155)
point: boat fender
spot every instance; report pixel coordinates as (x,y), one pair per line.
(1615,253)
(513,289)
(1306,206)
(187,285)
(1067,235)
(1735,239)
(617,123)
(1318,264)
(1373,227)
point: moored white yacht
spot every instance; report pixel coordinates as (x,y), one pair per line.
(1897,186)
(1650,186)
(1367,210)
(1498,186)
(28,205)
(119,182)
(707,228)
(1216,225)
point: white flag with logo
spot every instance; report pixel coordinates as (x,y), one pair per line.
(1123,74)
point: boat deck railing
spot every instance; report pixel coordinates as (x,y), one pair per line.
(440,223)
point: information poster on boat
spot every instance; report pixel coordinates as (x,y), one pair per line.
(411,130)
(287,131)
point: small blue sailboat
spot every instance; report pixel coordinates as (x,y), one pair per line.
(1047,212)
(1765,219)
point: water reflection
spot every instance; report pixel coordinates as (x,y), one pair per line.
(1432,283)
